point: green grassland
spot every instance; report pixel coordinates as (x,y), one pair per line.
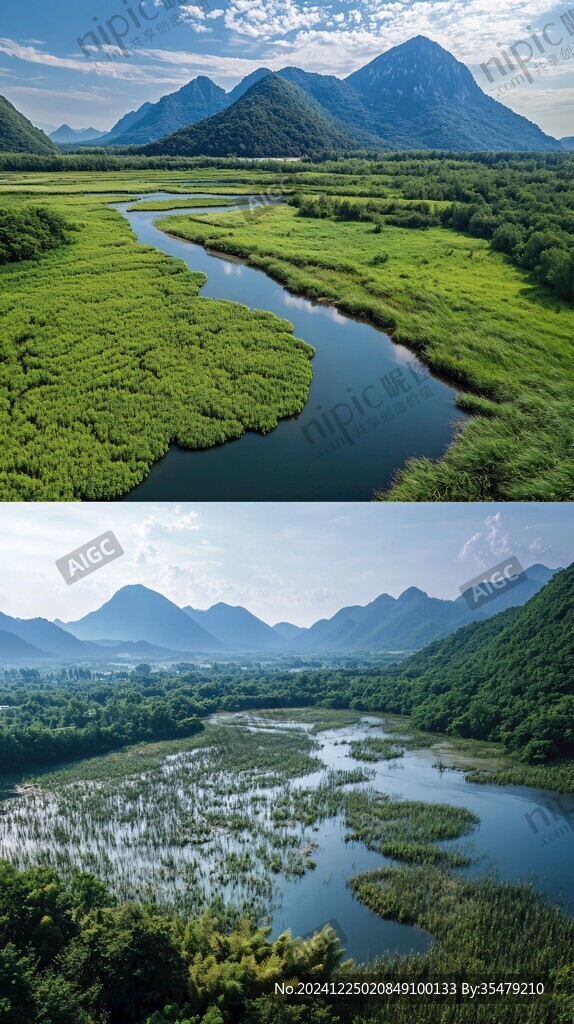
(139,181)
(178,204)
(486,930)
(475,319)
(109,355)
(94,392)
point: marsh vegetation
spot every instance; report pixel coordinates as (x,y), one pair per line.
(466,260)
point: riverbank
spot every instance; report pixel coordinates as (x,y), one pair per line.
(476,321)
(128,359)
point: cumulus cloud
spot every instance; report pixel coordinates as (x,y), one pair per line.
(264,19)
(498,539)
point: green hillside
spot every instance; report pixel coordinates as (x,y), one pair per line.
(509,679)
(18,135)
(273,118)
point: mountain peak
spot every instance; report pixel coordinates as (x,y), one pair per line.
(273,118)
(412,594)
(137,613)
(241,88)
(419,84)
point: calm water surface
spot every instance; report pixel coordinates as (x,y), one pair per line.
(295,462)
(504,842)
(511,841)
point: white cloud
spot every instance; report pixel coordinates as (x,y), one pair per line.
(499,538)
(192,11)
(137,73)
(264,19)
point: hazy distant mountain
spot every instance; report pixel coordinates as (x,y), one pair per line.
(18,134)
(137,613)
(410,621)
(287,630)
(124,123)
(404,623)
(237,628)
(13,648)
(568,142)
(273,118)
(423,90)
(45,635)
(65,134)
(536,577)
(133,649)
(138,622)
(195,101)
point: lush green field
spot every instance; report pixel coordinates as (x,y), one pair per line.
(475,319)
(109,355)
(465,294)
(178,204)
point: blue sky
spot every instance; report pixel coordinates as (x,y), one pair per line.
(45,73)
(294,561)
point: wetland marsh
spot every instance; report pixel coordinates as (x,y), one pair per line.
(270,814)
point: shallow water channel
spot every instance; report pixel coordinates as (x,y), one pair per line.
(141,834)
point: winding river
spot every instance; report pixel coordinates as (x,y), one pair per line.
(337,448)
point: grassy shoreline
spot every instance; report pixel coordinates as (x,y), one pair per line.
(480,762)
(478,322)
(94,392)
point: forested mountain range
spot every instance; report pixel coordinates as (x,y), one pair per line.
(273,118)
(138,621)
(414,96)
(508,679)
(197,100)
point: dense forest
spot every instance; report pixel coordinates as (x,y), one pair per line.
(70,955)
(507,679)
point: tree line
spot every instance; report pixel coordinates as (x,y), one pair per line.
(507,679)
